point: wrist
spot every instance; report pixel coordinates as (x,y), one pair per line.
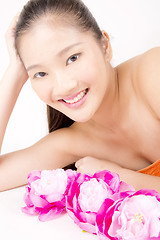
(17,73)
(125,174)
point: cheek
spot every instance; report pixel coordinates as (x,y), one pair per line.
(94,71)
(88,74)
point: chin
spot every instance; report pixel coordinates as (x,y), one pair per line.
(82,118)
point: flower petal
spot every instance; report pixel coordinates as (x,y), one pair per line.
(30,210)
(51,214)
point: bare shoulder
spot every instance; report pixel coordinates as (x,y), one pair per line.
(51,152)
(149,61)
(143,64)
(147,78)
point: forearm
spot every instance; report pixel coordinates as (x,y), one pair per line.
(10,87)
(136,179)
(140,180)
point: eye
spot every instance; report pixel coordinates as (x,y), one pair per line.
(73,58)
(40,75)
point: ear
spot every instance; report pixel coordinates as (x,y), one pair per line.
(106,46)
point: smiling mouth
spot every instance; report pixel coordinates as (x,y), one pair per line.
(76,99)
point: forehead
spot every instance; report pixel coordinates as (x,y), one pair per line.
(46,36)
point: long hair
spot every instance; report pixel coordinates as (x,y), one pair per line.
(57,120)
(72,12)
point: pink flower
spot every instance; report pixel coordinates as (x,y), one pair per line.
(136,217)
(46,192)
(87,193)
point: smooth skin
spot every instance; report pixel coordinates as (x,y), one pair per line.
(117,126)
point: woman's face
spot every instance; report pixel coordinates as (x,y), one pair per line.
(67,68)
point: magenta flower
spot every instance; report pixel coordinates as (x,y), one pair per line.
(87,193)
(136,217)
(46,193)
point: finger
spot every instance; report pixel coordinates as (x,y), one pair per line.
(78,170)
(13,24)
(15,18)
(77,164)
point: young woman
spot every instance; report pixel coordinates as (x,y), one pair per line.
(100,117)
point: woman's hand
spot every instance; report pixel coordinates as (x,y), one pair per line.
(136,179)
(15,62)
(92,165)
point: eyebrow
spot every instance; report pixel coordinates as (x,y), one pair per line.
(58,54)
(68,48)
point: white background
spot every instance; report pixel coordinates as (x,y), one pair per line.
(133,26)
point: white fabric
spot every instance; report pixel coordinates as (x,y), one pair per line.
(14,224)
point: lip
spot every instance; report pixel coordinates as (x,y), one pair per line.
(77,104)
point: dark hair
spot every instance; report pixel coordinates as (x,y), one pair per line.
(77,14)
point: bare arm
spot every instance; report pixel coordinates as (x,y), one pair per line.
(140,180)
(148,79)
(48,153)
(9,91)
(11,83)
(136,179)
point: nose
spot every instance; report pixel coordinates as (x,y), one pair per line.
(64,85)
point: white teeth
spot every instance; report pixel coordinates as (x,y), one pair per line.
(77,98)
